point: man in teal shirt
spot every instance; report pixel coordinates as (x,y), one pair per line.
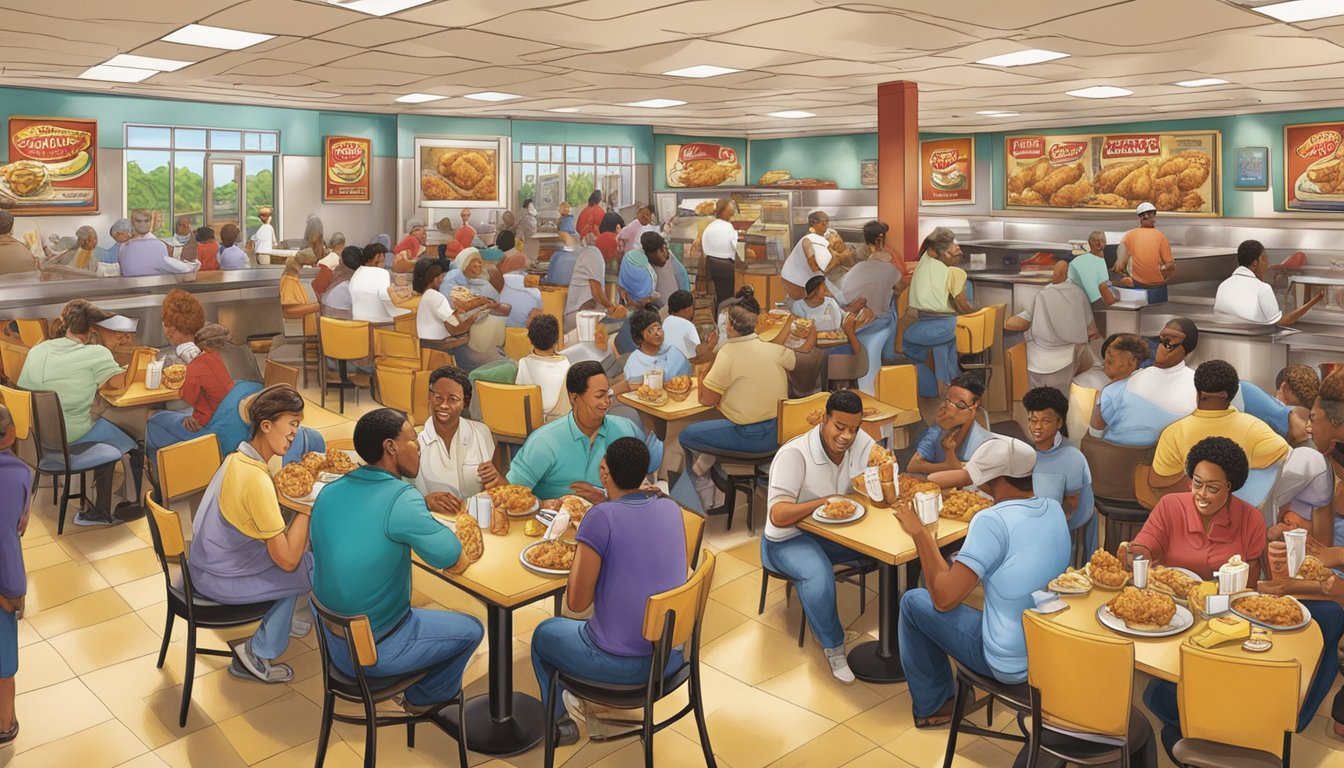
(363,530)
(563,457)
(1088,271)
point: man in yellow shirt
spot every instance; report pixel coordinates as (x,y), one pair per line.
(1144,253)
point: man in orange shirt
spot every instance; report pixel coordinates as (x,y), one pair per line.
(1145,254)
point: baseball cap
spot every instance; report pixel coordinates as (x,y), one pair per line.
(119,324)
(1144,208)
(1000,456)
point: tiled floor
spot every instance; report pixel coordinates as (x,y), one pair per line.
(90,696)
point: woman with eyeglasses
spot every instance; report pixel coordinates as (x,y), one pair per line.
(1136,410)
(457,455)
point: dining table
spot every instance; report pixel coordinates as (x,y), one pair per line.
(878,534)
(670,410)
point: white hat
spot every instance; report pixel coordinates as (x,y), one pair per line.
(120,324)
(1144,208)
(1001,456)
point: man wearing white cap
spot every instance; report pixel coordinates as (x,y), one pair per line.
(1013,548)
(1144,253)
(117,333)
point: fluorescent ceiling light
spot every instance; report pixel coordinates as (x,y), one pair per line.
(492,96)
(1302,10)
(146,62)
(116,74)
(791,114)
(702,70)
(378,7)
(419,98)
(656,103)
(1200,83)
(564,109)
(215,37)
(1020,58)
(1101,92)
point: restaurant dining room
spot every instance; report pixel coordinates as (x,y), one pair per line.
(520,384)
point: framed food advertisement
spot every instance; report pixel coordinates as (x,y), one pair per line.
(462,172)
(868,173)
(1313,177)
(1252,168)
(345,165)
(947,171)
(52,168)
(702,165)
(1177,172)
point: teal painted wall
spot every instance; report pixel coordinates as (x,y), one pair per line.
(661,140)
(815,157)
(382,129)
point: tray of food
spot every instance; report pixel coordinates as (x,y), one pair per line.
(296,483)
(838,509)
(678,387)
(963,505)
(1144,613)
(1174,582)
(463,300)
(576,506)
(329,466)
(1106,571)
(769,321)
(1279,612)
(552,558)
(652,396)
(1071,582)
(514,500)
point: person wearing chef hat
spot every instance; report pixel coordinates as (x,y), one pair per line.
(1145,255)
(117,333)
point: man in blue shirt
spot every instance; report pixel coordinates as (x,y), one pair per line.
(1061,472)
(955,434)
(15,492)
(1013,548)
(560,268)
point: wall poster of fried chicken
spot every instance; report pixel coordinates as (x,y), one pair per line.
(1313,173)
(702,165)
(52,167)
(1177,172)
(462,173)
(946,171)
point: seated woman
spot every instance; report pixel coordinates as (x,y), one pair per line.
(207,249)
(373,298)
(545,367)
(435,323)
(456,455)
(487,332)
(1136,410)
(631,546)
(652,353)
(938,292)
(207,384)
(242,551)
(411,247)
(511,260)
(875,282)
(638,277)
(818,306)
(336,301)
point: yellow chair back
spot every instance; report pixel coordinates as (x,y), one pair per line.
(1212,698)
(694,525)
(310,324)
(187,467)
(792,420)
(279,373)
(687,604)
(170,529)
(406,390)
(344,339)
(516,344)
(898,385)
(395,344)
(1089,693)
(1016,357)
(902,320)
(341,444)
(510,410)
(20,405)
(1081,402)
(12,357)
(361,632)
(406,324)
(32,332)
(553,298)
(975,331)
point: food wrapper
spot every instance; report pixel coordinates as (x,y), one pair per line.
(559,524)
(1224,629)
(499,521)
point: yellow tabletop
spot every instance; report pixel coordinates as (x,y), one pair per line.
(1161,656)
(137,394)
(319,418)
(879,535)
(887,413)
(672,409)
(499,578)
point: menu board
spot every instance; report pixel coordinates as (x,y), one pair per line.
(1177,172)
(947,171)
(345,166)
(52,168)
(1313,167)
(702,165)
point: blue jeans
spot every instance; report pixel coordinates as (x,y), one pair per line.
(272,637)
(876,340)
(809,560)
(927,638)
(719,435)
(165,428)
(1087,520)
(936,335)
(563,644)
(437,642)
(9,644)
(104,431)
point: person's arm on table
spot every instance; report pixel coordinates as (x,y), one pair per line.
(410,523)
(948,585)
(923,466)
(1289,318)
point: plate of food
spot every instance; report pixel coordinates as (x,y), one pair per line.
(296,483)
(678,387)
(652,396)
(1106,572)
(515,500)
(1279,612)
(1174,582)
(963,505)
(768,321)
(329,466)
(838,509)
(1144,613)
(1071,582)
(576,506)
(552,558)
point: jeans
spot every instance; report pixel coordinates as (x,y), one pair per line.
(132,462)
(719,435)
(563,644)
(936,335)
(876,340)
(272,637)
(809,560)
(437,642)
(927,638)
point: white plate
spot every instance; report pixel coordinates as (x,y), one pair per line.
(1306,613)
(311,498)
(859,511)
(532,510)
(522,558)
(1182,621)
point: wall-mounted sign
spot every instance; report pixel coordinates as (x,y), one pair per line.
(462,173)
(1313,167)
(868,173)
(346,165)
(1252,168)
(702,165)
(52,168)
(947,171)
(1177,172)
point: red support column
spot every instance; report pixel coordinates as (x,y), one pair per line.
(898,163)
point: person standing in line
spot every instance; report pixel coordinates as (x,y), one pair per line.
(718,243)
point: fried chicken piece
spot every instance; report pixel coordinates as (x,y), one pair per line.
(1114,174)
(1274,610)
(1070,195)
(1137,185)
(1027,197)
(1029,176)
(1142,609)
(1192,202)
(707,173)
(1193,177)
(434,187)
(1166,193)
(1106,200)
(469,534)
(1172,579)
(1178,163)
(1060,177)
(471,172)
(1105,569)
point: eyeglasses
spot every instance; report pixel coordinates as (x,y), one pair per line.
(451,399)
(1169,342)
(959,405)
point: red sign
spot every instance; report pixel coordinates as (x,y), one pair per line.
(346,170)
(1067,152)
(947,172)
(1027,147)
(715,152)
(1317,145)
(1131,146)
(52,168)
(1313,167)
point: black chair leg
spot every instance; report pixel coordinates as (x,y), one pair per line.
(963,693)
(558,605)
(410,734)
(765,583)
(698,703)
(648,731)
(65,503)
(324,733)
(341,365)
(54,491)
(370,735)
(167,635)
(462,727)
(548,721)
(190,679)
(802,626)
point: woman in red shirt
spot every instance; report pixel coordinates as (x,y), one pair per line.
(208,381)
(590,218)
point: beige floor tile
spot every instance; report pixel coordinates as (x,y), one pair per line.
(85,611)
(831,749)
(98,543)
(143,592)
(670,750)
(27,634)
(272,728)
(129,688)
(120,569)
(886,721)
(206,748)
(728,568)
(339,755)
(811,686)
(147,760)
(719,620)
(744,594)
(753,653)
(736,733)
(749,553)
(101,645)
(62,583)
(877,758)
(102,746)
(44,556)
(55,712)
(39,666)
(218,696)
(927,747)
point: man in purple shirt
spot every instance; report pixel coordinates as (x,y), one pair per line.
(15,491)
(631,547)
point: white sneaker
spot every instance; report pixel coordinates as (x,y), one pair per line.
(839,665)
(573,706)
(299,628)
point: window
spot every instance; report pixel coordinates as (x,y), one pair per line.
(167,168)
(579,168)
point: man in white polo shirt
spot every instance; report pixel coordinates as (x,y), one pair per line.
(807,470)
(1246,296)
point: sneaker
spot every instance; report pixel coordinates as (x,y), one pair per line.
(249,666)
(419,709)
(573,706)
(8,736)
(299,628)
(88,517)
(839,665)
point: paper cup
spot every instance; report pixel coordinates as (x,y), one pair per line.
(154,375)
(654,378)
(1297,550)
(927,505)
(1140,572)
(586,322)
(481,508)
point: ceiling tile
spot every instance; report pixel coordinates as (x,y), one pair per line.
(375,32)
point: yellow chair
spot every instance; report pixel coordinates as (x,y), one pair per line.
(975,331)
(343,341)
(405,390)
(279,373)
(187,467)
(1081,402)
(20,405)
(898,385)
(553,298)
(516,344)
(341,444)
(1016,356)
(979,338)
(395,347)
(405,324)
(904,317)
(32,332)
(792,419)
(511,411)
(12,357)
(1217,727)
(694,525)
(312,348)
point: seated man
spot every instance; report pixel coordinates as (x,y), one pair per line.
(523,302)
(638,277)
(230,255)
(679,331)
(362,565)
(807,470)
(1061,472)
(1013,548)
(145,256)
(955,433)
(1297,385)
(1136,411)
(560,268)
(1121,356)
(1061,324)
(563,456)
(1246,297)
(1088,271)
(631,546)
